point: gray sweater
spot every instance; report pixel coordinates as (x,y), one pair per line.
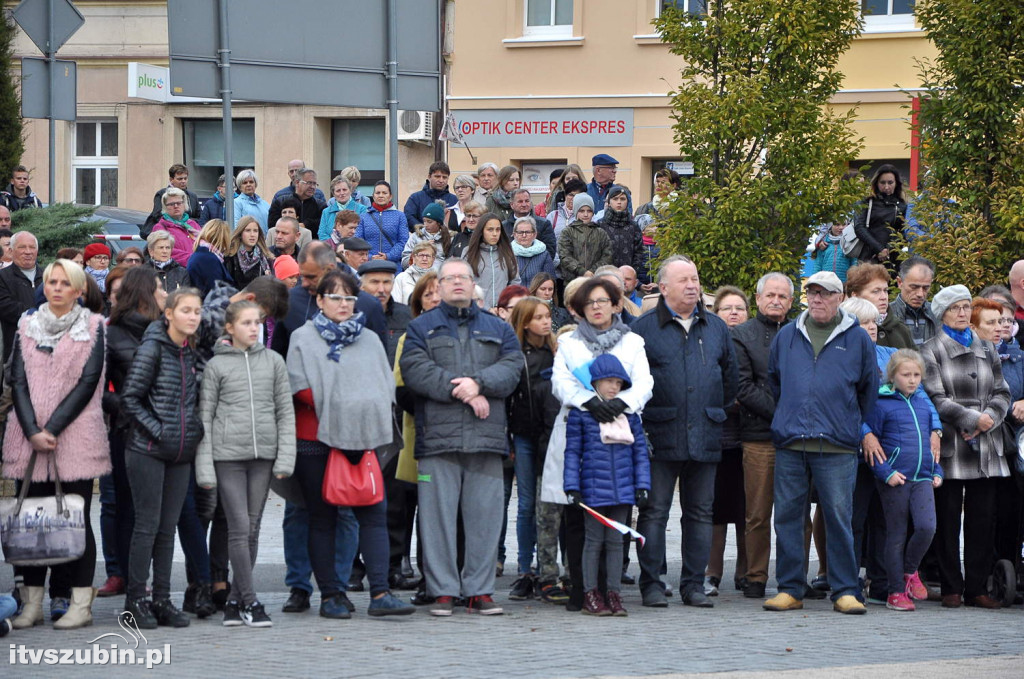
(353,397)
(246,408)
(491,276)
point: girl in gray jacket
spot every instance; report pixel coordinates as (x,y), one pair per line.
(249,420)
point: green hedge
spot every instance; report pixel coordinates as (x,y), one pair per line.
(61,225)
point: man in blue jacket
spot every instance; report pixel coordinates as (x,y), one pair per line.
(604,167)
(693,364)
(434,189)
(823,372)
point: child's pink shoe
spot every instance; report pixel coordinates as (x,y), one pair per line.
(915,588)
(899,602)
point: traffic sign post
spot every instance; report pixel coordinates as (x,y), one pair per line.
(49,24)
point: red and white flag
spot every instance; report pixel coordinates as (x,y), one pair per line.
(621,527)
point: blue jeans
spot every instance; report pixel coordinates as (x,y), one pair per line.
(7,606)
(834,477)
(192,537)
(296,551)
(526,482)
(696,496)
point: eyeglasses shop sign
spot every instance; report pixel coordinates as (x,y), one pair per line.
(601,127)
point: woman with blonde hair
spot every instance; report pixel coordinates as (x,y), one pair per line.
(247,257)
(206,265)
(422,261)
(499,202)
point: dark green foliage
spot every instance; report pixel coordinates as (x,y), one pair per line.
(972,140)
(751,113)
(58,226)
(12,144)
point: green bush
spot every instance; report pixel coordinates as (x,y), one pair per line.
(61,225)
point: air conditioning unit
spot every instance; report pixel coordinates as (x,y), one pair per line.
(416,126)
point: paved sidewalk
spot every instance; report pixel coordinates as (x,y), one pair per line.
(535,640)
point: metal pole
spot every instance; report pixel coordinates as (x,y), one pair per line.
(392,77)
(51,65)
(224,54)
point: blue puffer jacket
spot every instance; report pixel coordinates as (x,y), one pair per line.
(605,474)
(902,426)
(213,208)
(825,397)
(418,202)
(395,232)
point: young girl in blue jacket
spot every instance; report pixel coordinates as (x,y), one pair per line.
(906,479)
(606,468)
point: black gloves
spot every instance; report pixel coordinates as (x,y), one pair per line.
(605,411)
(574,497)
(641,498)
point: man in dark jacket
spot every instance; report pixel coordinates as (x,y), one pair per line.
(694,369)
(911,306)
(522,206)
(461,363)
(824,374)
(310,207)
(753,340)
(178,179)
(377,278)
(18,283)
(293,168)
(605,167)
(19,195)
(434,189)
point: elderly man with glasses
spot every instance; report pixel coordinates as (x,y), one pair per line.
(304,190)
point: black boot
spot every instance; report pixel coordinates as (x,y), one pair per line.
(140,611)
(188,604)
(204,601)
(167,615)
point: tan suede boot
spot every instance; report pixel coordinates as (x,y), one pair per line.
(80,611)
(32,608)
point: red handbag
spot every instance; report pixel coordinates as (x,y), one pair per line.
(353,485)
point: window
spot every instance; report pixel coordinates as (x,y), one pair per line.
(887,15)
(691,6)
(94,163)
(204,151)
(360,142)
(548,18)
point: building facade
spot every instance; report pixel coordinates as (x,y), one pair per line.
(542,83)
(130,130)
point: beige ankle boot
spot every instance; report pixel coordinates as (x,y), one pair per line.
(80,611)
(32,609)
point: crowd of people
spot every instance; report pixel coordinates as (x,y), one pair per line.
(476,341)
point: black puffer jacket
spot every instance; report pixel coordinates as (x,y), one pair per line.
(161,395)
(753,341)
(888,216)
(123,341)
(173,275)
(532,408)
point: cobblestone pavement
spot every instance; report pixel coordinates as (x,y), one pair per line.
(532,639)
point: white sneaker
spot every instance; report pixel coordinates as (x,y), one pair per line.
(710,585)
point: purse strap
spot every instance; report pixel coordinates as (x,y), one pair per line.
(27,481)
(379,220)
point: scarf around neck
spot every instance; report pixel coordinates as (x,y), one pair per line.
(247,260)
(208,246)
(381,208)
(532,251)
(964,337)
(616,219)
(47,330)
(501,198)
(601,341)
(183,222)
(338,335)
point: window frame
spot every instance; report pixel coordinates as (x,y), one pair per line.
(551,30)
(659,5)
(889,22)
(95,162)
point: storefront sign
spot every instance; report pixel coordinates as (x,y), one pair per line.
(598,127)
(146,81)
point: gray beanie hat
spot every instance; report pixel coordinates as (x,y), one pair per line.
(578,201)
(946,297)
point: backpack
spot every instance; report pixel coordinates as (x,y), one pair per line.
(848,241)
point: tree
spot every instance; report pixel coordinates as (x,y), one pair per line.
(971,125)
(12,143)
(752,115)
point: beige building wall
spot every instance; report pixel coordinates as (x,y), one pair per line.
(612,58)
(151,134)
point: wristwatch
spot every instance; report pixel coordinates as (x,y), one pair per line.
(937,432)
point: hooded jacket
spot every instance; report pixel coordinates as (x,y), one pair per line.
(418,202)
(449,342)
(581,248)
(213,208)
(903,428)
(123,341)
(246,409)
(824,397)
(491,275)
(13,203)
(161,395)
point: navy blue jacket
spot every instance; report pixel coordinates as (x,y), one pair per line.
(421,199)
(825,397)
(205,268)
(695,379)
(903,428)
(213,208)
(302,307)
(605,474)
